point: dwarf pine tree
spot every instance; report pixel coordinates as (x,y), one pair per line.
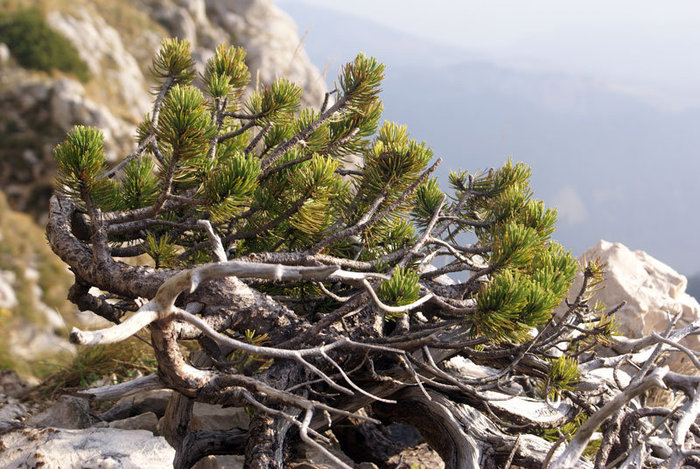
(322,293)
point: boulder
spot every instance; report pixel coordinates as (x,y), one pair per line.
(68,412)
(144,402)
(89,448)
(271,38)
(103,50)
(652,291)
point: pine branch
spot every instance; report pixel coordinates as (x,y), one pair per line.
(367,221)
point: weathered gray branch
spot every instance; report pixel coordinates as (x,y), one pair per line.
(578,443)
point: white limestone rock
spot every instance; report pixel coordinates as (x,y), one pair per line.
(31,343)
(102,49)
(31,340)
(52,448)
(4,54)
(652,291)
(8,298)
(271,38)
(69,107)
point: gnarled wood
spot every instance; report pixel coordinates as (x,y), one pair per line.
(463,436)
(200,443)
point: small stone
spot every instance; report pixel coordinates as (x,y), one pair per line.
(232,461)
(146,421)
(8,299)
(4,54)
(421,456)
(69,412)
(215,417)
(148,401)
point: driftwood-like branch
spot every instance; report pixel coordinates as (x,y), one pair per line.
(217,247)
(688,416)
(162,305)
(127,388)
(575,448)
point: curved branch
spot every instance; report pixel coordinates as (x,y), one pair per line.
(395,309)
(578,443)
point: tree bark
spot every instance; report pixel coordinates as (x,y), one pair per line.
(265,446)
(201,443)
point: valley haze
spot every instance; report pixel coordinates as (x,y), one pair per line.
(619,162)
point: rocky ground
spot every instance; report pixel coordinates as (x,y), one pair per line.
(71,433)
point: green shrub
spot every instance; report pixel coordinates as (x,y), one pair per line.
(35,45)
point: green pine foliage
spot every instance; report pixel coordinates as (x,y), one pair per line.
(139,185)
(428,198)
(81,162)
(226,73)
(273,178)
(173,63)
(401,289)
(277,103)
(35,45)
(394,163)
(228,186)
(360,80)
(530,273)
(161,249)
(185,124)
(563,376)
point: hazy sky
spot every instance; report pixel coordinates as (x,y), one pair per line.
(643,46)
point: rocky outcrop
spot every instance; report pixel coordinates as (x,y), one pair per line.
(652,291)
(101,47)
(117,45)
(94,447)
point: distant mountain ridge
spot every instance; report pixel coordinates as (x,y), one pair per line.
(616,166)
